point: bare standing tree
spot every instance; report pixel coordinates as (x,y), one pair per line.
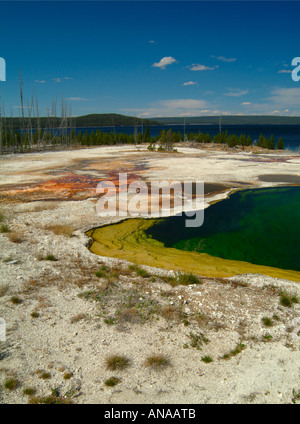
(22,108)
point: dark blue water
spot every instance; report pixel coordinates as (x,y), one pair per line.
(289,133)
(259,226)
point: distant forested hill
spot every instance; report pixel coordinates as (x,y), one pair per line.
(110,119)
(93,120)
(113,119)
(232,120)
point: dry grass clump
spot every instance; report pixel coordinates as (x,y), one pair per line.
(33,285)
(52,399)
(129,315)
(11,383)
(34,314)
(44,375)
(3,289)
(68,375)
(117,362)
(29,391)
(16,300)
(61,229)
(170,312)
(77,318)
(157,362)
(15,237)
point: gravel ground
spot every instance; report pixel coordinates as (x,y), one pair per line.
(223,340)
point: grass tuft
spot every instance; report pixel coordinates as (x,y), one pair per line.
(207,359)
(11,384)
(157,361)
(112,381)
(16,300)
(117,362)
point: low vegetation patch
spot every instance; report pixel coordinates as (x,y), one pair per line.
(44,375)
(29,391)
(296,396)
(4,228)
(197,340)
(112,381)
(61,230)
(181,279)
(77,318)
(288,300)
(140,272)
(238,349)
(48,257)
(15,237)
(16,300)
(267,321)
(207,359)
(117,362)
(11,383)
(187,279)
(68,375)
(50,400)
(157,362)
(267,337)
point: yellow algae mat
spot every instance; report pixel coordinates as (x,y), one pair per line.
(128,240)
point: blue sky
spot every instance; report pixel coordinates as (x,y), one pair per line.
(158,58)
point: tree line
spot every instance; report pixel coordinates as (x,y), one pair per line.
(168,138)
(18,141)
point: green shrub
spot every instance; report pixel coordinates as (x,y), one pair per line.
(112,381)
(207,359)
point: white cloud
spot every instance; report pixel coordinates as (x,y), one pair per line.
(57,79)
(225,59)
(189,83)
(246,103)
(184,104)
(40,81)
(236,93)
(198,67)
(284,71)
(165,61)
(281,101)
(151,42)
(286,97)
(172,107)
(67,78)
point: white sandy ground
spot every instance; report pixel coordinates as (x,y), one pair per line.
(265,371)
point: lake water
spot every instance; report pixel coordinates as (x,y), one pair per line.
(260,226)
(289,133)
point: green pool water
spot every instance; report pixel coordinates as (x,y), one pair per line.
(260,226)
